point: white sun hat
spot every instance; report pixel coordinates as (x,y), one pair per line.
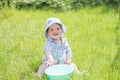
(50,21)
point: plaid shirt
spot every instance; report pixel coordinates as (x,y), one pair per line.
(60,52)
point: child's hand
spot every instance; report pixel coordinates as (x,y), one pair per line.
(49,57)
(68,61)
(50,61)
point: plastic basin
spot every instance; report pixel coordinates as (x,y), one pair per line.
(59,72)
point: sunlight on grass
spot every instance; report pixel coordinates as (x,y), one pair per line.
(91,33)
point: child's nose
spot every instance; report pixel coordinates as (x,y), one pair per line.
(55,31)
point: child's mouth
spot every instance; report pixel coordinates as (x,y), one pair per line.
(55,34)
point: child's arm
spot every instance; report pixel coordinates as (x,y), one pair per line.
(68,61)
(68,52)
(49,57)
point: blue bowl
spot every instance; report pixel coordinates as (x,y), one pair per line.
(59,72)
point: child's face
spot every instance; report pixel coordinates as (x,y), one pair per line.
(54,31)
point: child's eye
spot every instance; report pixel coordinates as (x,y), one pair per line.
(58,28)
(51,29)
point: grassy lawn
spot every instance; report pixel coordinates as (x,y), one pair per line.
(91,33)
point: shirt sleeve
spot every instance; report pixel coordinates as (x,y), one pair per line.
(47,46)
(68,49)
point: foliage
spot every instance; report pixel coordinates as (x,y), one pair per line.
(4,3)
(25,5)
(40,4)
(56,4)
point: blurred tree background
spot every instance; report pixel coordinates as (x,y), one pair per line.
(60,5)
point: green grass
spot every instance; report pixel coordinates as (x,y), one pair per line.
(91,33)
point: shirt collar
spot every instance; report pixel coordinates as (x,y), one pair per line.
(51,40)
